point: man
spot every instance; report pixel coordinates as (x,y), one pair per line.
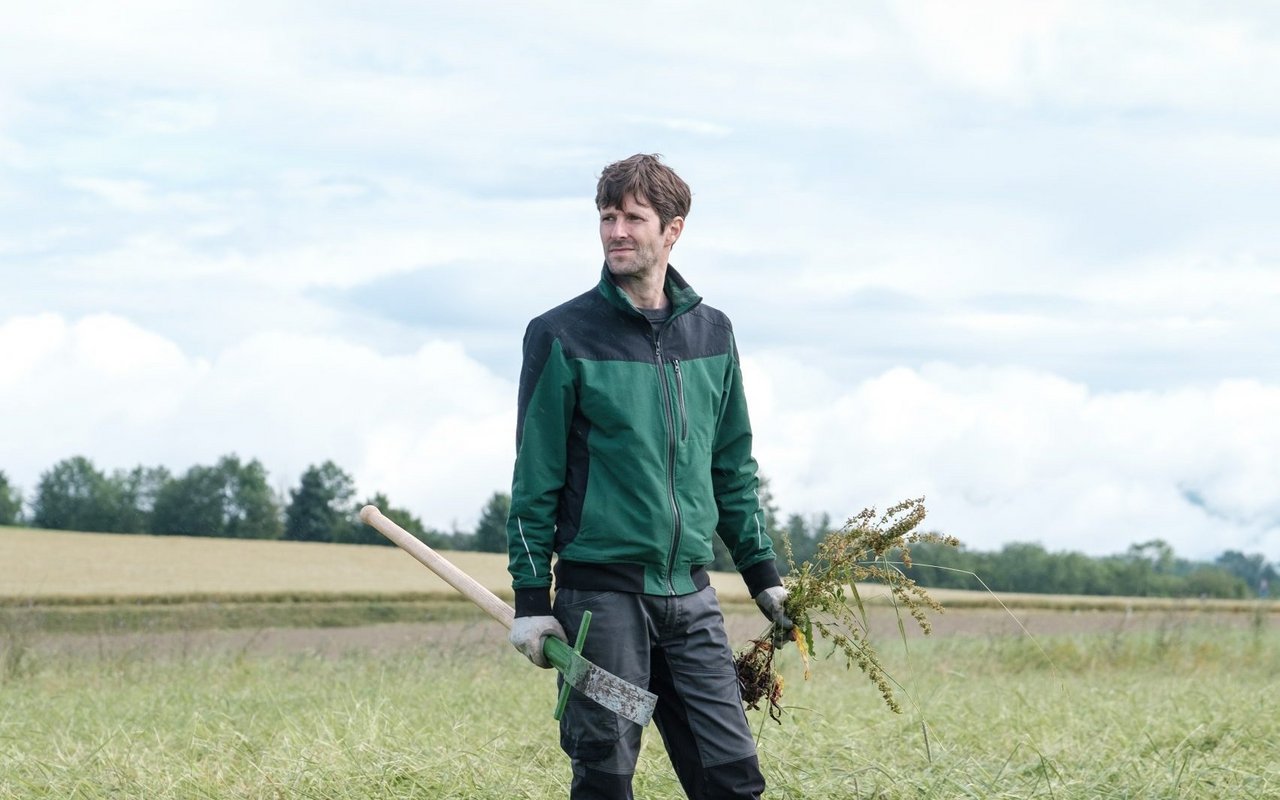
(633,448)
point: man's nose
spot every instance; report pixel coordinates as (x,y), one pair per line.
(619,230)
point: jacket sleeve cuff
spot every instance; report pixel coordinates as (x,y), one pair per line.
(759,577)
(534,602)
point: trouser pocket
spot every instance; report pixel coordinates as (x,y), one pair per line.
(588,731)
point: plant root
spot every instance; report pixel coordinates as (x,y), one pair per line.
(758,679)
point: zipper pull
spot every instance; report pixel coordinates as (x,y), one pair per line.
(684,415)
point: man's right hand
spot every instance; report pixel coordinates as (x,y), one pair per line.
(527,634)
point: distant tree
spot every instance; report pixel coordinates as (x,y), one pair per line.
(460,540)
(252,512)
(804,535)
(437,539)
(73,495)
(132,497)
(491,530)
(230,499)
(10,502)
(1252,569)
(1211,581)
(942,566)
(1024,567)
(1157,552)
(191,505)
(321,509)
(359,533)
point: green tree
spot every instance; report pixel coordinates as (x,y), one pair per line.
(252,511)
(491,530)
(191,505)
(230,499)
(359,533)
(1211,581)
(10,502)
(1157,553)
(132,497)
(804,536)
(1252,569)
(73,495)
(1022,567)
(321,509)
(943,566)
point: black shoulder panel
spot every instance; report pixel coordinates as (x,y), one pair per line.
(588,327)
(701,332)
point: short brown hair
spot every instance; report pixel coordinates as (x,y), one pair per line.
(649,180)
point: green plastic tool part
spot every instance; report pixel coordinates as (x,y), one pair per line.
(563,700)
(619,696)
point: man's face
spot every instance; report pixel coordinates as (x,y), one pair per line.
(634,243)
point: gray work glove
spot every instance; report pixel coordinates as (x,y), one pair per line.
(770,602)
(527,634)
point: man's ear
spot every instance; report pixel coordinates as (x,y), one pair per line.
(674,227)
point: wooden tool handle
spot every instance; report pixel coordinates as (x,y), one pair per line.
(470,588)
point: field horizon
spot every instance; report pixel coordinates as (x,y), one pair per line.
(51,567)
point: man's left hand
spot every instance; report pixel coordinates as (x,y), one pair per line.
(771,603)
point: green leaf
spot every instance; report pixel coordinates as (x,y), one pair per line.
(862,610)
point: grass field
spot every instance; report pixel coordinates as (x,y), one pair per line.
(1186,712)
(1075,699)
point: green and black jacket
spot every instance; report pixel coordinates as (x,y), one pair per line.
(633,448)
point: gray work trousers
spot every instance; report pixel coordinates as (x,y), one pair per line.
(678,649)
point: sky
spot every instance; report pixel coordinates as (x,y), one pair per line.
(1018,258)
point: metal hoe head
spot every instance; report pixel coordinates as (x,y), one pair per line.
(622,698)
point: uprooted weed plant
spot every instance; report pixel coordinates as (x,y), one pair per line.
(823,599)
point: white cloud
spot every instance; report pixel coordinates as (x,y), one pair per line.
(433,429)
(127,195)
(1099,55)
(695,126)
(1019,455)
(996,47)
(170,115)
(25,342)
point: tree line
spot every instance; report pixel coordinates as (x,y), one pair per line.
(233,498)
(1148,569)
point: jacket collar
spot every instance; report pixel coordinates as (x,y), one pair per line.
(678,290)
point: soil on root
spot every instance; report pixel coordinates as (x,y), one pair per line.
(757,678)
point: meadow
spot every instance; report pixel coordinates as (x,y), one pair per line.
(1072,700)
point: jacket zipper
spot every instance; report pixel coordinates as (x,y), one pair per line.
(671,461)
(684,417)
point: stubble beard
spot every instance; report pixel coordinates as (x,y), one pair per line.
(637,263)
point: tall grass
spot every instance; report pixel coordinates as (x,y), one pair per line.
(1186,712)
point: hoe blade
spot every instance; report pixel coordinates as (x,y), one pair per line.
(622,698)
